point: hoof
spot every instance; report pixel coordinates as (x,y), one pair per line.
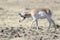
(34,28)
(19,21)
(40,27)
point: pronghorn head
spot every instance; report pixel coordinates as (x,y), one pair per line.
(24,16)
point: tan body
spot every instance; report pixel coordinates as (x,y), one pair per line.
(41,13)
(36,10)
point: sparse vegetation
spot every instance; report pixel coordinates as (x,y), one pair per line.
(12,29)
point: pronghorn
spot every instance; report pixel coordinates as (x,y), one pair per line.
(40,13)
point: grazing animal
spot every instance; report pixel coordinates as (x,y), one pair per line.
(40,13)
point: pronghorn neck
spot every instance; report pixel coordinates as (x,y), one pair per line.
(27,15)
(21,15)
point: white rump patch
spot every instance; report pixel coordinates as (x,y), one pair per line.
(42,13)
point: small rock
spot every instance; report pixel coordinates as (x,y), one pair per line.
(41,38)
(25,35)
(2,30)
(34,28)
(55,36)
(58,26)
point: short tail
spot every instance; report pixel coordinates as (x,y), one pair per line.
(50,12)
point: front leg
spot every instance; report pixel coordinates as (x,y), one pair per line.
(32,22)
(37,24)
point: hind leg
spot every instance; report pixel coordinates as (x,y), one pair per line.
(53,24)
(51,21)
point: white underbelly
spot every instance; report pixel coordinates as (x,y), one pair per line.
(40,14)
